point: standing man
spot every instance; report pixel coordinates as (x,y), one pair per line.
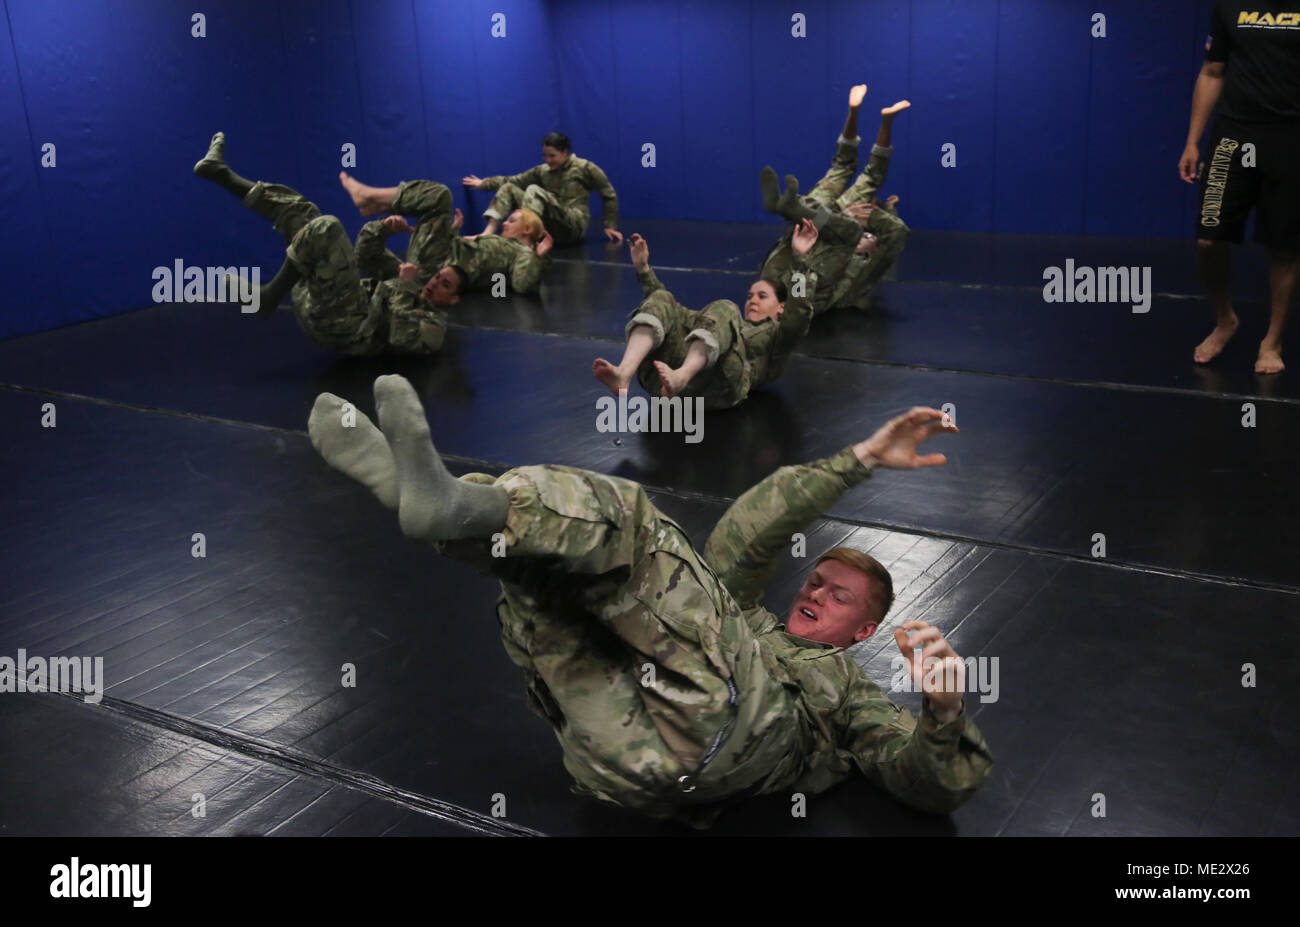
(1252,70)
(556,190)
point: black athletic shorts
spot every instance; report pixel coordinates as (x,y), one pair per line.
(1231,187)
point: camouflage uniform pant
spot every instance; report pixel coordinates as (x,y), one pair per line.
(330,303)
(430,246)
(870,181)
(567,224)
(633,650)
(725,380)
(827,190)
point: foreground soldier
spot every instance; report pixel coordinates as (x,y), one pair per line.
(596,583)
(849,260)
(361,301)
(557,190)
(717,352)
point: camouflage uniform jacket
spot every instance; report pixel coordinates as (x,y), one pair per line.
(486,255)
(846,722)
(571,185)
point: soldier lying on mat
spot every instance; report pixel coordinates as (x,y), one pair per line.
(851,257)
(718,352)
(671,689)
(450,264)
(364,300)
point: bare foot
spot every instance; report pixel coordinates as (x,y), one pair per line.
(1269,360)
(674,381)
(1212,346)
(895,109)
(856,95)
(610,375)
(362,196)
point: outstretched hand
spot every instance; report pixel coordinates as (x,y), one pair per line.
(545,245)
(640,251)
(894,444)
(937,671)
(457,220)
(615,236)
(397,225)
(473,180)
(805,236)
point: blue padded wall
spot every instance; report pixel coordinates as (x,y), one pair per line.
(1056,131)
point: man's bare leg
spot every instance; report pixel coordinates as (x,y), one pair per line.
(1282,275)
(640,342)
(697,358)
(1215,261)
(887,122)
(369,200)
(856,95)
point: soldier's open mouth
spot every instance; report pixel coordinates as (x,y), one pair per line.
(810,615)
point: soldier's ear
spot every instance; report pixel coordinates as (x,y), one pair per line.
(866,631)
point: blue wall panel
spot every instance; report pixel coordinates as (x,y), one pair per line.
(721,136)
(1043,54)
(30,262)
(954,97)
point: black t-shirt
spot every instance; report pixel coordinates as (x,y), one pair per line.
(1260,43)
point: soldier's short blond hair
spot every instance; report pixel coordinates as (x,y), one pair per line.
(883,600)
(532,224)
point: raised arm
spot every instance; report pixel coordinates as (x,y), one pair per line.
(530,176)
(373,257)
(645,275)
(750,537)
(927,764)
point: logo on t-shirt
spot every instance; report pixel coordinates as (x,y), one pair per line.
(1257,20)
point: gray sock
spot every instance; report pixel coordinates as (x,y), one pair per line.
(771,188)
(212,166)
(432,504)
(791,206)
(352,444)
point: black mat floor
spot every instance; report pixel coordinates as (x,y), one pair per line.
(1119,675)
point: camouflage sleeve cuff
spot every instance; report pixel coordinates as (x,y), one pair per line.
(848,467)
(649,282)
(937,732)
(881,151)
(491,183)
(848,141)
